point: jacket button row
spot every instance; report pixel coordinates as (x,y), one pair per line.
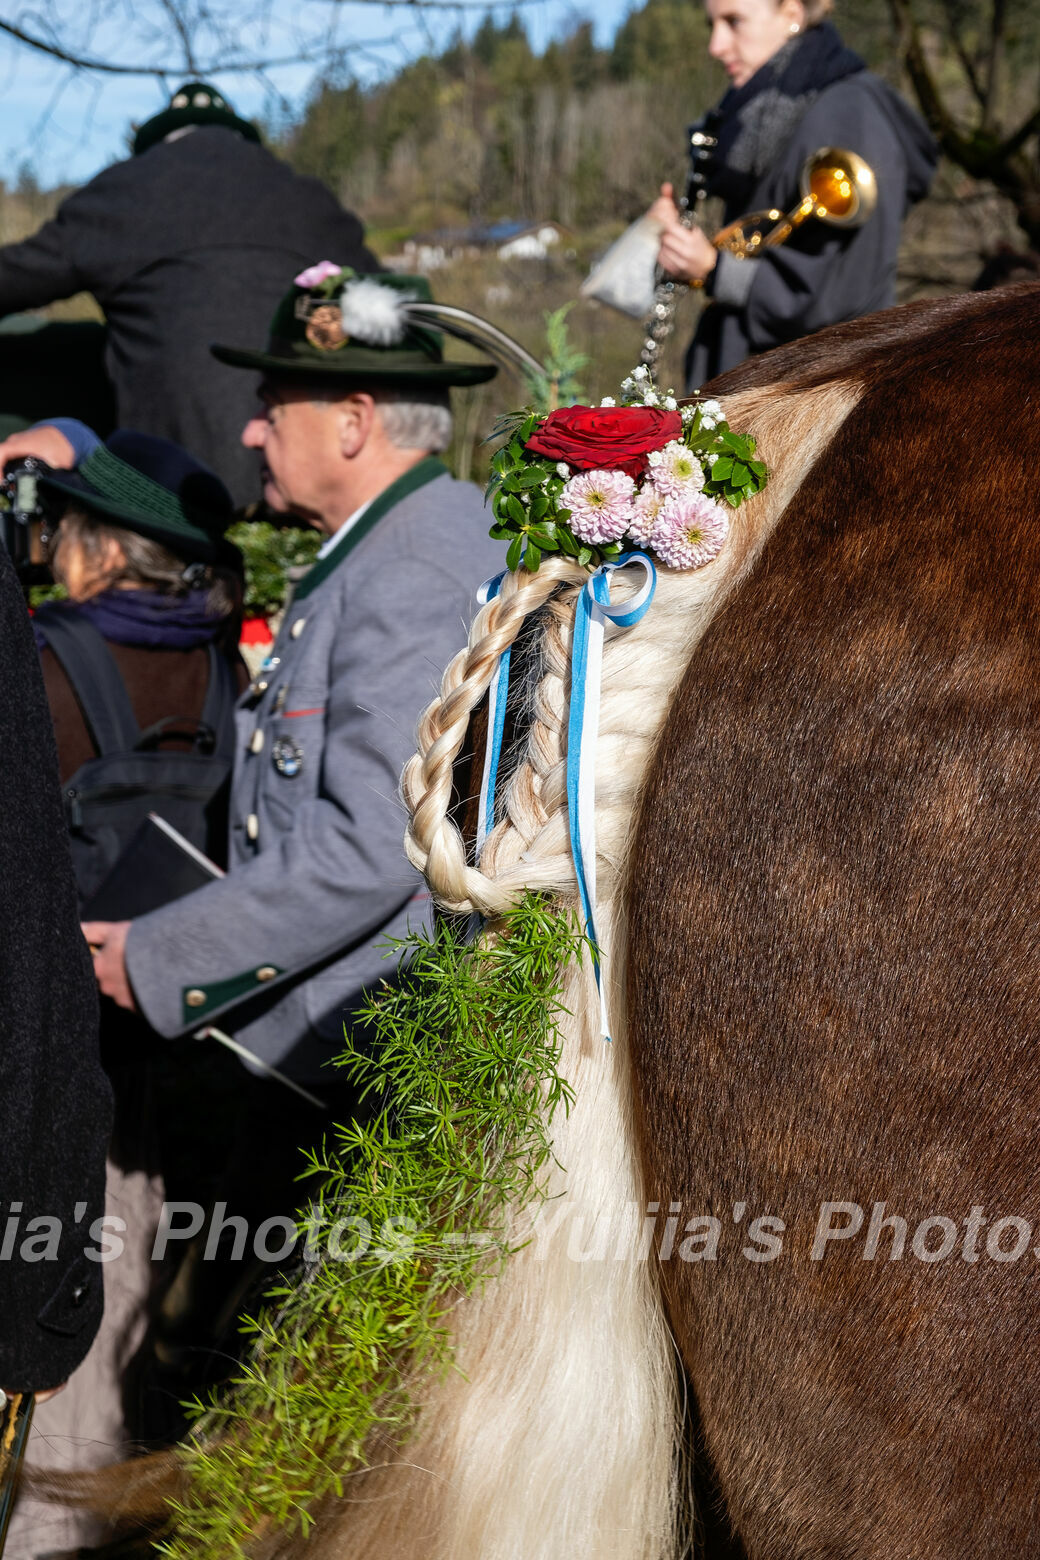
(297,628)
(253,826)
(256,741)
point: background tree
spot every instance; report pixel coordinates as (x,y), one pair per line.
(973,65)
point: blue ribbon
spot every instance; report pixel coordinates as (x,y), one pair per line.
(592,614)
(498,695)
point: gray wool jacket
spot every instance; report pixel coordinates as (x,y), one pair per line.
(822,275)
(278,952)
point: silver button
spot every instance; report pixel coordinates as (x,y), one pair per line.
(253,826)
(256,741)
(297,628)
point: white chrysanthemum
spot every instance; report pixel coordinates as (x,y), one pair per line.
(675,470)
(689,532)
(374,313)
(645,511)
(600,504)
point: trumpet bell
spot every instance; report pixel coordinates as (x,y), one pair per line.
(841,185)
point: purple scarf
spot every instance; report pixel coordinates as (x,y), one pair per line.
(148,619)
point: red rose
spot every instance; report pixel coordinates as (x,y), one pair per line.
(605,438)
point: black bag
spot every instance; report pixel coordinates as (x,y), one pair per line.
(110,796)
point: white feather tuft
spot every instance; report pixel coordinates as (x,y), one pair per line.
(374,313)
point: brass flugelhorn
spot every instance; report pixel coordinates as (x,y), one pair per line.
(838,187)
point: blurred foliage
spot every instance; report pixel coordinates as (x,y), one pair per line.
(269,553)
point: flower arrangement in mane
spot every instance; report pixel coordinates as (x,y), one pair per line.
(587,482)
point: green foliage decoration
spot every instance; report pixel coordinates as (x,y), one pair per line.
(525,489)
(464,1076)
(269,552)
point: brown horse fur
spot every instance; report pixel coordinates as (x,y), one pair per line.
(834,935)
(822,929)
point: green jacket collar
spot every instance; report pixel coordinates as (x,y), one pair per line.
(414,478)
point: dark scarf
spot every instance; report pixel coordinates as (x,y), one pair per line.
(148,619)
(754,123)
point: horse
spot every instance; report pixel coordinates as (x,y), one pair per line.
(786,1258)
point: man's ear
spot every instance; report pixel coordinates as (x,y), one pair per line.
(355,419)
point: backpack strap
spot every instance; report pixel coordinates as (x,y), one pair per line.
(94,676)
(218,711)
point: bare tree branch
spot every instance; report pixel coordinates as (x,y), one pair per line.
(212,67)
(994,62)
(181,27)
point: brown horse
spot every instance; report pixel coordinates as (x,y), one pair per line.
(819,894)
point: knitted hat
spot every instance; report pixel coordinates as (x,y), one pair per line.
(196,103)
(355,331)
(152,486)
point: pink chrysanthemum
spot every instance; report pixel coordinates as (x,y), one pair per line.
(689,532)
(645,512)
(600,503)
(675,471)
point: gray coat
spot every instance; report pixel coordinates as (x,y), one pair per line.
(278,952)
(822,275)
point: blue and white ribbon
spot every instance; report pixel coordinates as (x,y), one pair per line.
(498,694)
(592,614)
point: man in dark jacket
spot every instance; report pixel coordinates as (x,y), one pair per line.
(187,242)
(56,1100)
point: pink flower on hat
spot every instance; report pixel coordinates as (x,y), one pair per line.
(316,274)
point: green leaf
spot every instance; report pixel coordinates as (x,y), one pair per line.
(532,477)
(584,556)
(498,533)
(539,505)
(722,468)
(516,547)
(544,537)
(532,557)
(515,510)
(568,543)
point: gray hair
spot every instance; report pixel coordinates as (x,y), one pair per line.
(415,419)
(148,563)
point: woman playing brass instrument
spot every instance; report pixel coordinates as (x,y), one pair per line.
(794,88)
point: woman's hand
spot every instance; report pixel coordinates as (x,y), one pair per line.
(47,444)
(107,941)
(685,253)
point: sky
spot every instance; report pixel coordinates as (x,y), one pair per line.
(67,125)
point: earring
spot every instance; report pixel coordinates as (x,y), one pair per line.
(795,29)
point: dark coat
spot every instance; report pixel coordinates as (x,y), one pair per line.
(193,242)
(822,275)
(56,1099)
(159,683)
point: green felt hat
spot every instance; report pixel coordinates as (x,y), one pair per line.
(355,331)
(196,103)
(154,487)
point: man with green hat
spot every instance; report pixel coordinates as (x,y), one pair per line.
(188,241)
(354,408)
